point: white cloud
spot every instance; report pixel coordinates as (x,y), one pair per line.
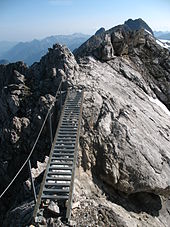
(60,2)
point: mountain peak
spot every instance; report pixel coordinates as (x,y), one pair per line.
(100,30)
(138,24)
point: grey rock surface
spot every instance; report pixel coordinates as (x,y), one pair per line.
(25,98)
(124,157)
(121,127)
(54,208)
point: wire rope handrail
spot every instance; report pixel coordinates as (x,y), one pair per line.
(35,143)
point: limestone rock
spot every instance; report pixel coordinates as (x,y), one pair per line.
(124,149)
(125,136)
(53,207)
(18,78)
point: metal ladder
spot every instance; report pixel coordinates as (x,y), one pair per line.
(58,180)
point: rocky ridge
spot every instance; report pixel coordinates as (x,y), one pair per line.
(124,160)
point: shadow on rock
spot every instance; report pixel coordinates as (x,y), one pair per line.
(137,202)
(146,202)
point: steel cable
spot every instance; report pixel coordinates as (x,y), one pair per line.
(35,143)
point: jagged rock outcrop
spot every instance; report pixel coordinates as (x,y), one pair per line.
(137,25)
(119,130)
(124,159)
(125,136)
(26,95)
(150,59)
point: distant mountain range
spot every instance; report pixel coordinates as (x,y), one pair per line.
(4,62)
(162,35)
(30,52)
(5,46)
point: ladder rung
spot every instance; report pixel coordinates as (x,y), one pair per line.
(60,168)
(62,154)
(72,106)
(58,184)
(57,197)
(52,190)
(60,159)
(70,120)
(65,142)
(64,150)
(64,146)
(72,123)
(68,113)
(72,109)
(58,178)
(69,125)
(61,163)
(60,148)
(68,129)
(67,136)
(71,112)
(68,133)
(60,173)
(71,115)
(75,103)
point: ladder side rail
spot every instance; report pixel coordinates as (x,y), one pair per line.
(50,156)
(69,204)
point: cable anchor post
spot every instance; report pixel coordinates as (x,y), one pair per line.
(51,130)
(32,182)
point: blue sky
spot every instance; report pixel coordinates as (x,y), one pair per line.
(22,20)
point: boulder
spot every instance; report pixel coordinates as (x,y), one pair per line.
(54,208)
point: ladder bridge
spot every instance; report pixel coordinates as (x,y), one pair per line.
(58,180)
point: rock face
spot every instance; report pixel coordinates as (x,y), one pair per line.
(149,58)
(121,128)
(125,136)
(124,158)
(26,95)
